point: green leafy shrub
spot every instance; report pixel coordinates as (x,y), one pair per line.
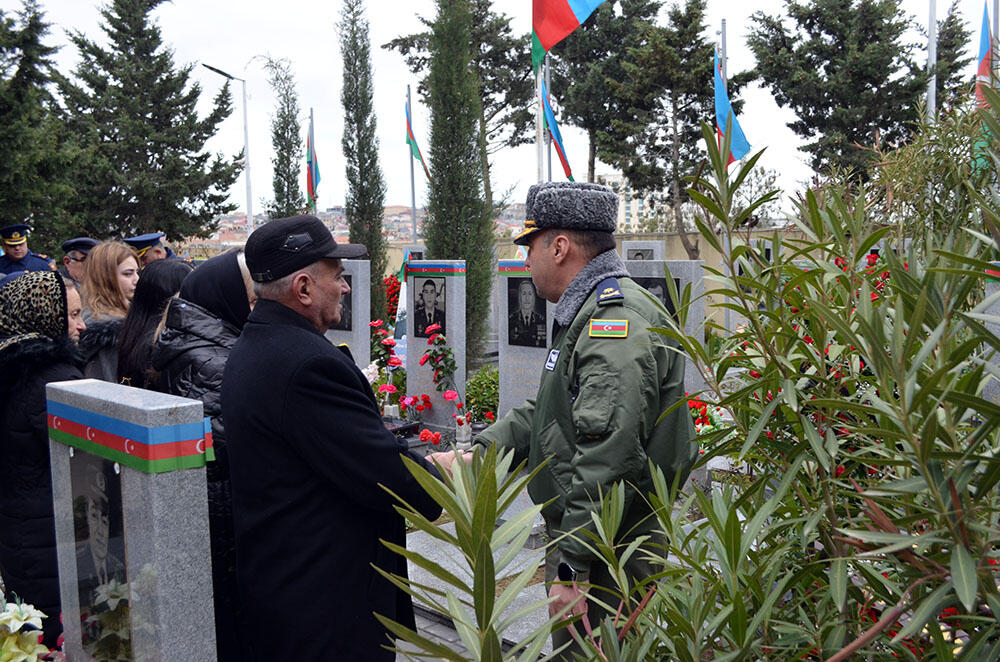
(482,394)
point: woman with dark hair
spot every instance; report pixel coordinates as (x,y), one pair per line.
(190,356)
(159,282)
(40,321)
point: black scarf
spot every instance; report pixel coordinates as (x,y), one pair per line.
(217,286)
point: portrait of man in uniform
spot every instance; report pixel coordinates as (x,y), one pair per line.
(526,321)
(345,312)
(428,306)
(639,254)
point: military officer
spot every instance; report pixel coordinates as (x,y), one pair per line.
(605,383)
(151,247)
(17,256)
(525,326)
(75,254)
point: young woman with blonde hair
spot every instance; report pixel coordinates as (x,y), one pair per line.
(109,279)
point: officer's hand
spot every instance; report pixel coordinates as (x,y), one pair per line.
(565,595)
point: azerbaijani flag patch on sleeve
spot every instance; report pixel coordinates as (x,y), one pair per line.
(608,328)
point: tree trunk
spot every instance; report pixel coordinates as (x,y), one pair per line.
(591,153)
(691,248)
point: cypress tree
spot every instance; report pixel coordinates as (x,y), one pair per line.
(459,223)
(134,113)
(365,201)
(286,139)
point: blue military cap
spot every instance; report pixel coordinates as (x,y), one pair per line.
(81,244)
(15,234)
(144,242)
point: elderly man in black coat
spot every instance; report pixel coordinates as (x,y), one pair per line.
(309,457)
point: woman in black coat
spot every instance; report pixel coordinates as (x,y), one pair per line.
(40,320)
(190,355)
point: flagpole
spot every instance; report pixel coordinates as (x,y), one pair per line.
(932,62)
(548,136)
(725,81)
(413,186)
(312,148)
(538,124)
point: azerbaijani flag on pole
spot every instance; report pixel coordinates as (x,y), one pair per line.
(412,142)
(553,20)
(984,73)
(550,121)
(738,145)
(312,166)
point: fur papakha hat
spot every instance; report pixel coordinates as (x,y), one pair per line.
(569,206)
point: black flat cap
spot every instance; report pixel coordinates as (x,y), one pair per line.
(285,245)
(82,244)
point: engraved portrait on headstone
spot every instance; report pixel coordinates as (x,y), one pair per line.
(100,546)
(428,306)
(345,314)
(416,255)
(658,288)
(639,254)
(526,322)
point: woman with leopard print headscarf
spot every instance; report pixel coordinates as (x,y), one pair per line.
(40,320)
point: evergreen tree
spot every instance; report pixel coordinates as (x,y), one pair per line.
(459,223)
(587,62)
(286,139)
(35,151)
(365,184)
(135,114)
(846,72)
(502,62)
(666,94)
(953,38)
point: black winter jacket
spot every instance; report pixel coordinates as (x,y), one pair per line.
(190,356)
(99,346)
(27,533)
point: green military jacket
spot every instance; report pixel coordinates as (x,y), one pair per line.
(604,385)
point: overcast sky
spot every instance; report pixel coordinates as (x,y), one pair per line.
(228,34)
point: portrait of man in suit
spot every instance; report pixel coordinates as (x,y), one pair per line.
(428,307)
(639,254)
(345,312)
(526,321)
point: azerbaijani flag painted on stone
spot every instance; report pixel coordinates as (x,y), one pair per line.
(412,142)
(983,73)
(738,145)
(553,20)
(550,122)
(312,166)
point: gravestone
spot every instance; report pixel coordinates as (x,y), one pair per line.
(643,250)
(353,329)
(414,251)
(991,391)
(524,334)
(131,520)
(439,285)
(650,275)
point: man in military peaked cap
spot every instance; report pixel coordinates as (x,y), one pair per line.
(17,256)
(75,255)
(151,247)
(606,381)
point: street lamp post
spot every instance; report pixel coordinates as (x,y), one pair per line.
(246,141)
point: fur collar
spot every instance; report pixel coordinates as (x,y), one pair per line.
(99,335)
(606,265)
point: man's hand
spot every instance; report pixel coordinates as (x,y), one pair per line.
(445,459)
(565,595)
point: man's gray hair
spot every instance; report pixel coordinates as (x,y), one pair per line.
(277,289)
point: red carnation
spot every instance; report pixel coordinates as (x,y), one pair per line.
(395,361)
(490,416)
(432,328)
(375,323)
(423,359)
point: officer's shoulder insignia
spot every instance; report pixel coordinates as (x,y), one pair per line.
(608,291)
(52,266)
(608,328)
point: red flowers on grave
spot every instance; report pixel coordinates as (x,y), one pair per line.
(489,416)
(432,328)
